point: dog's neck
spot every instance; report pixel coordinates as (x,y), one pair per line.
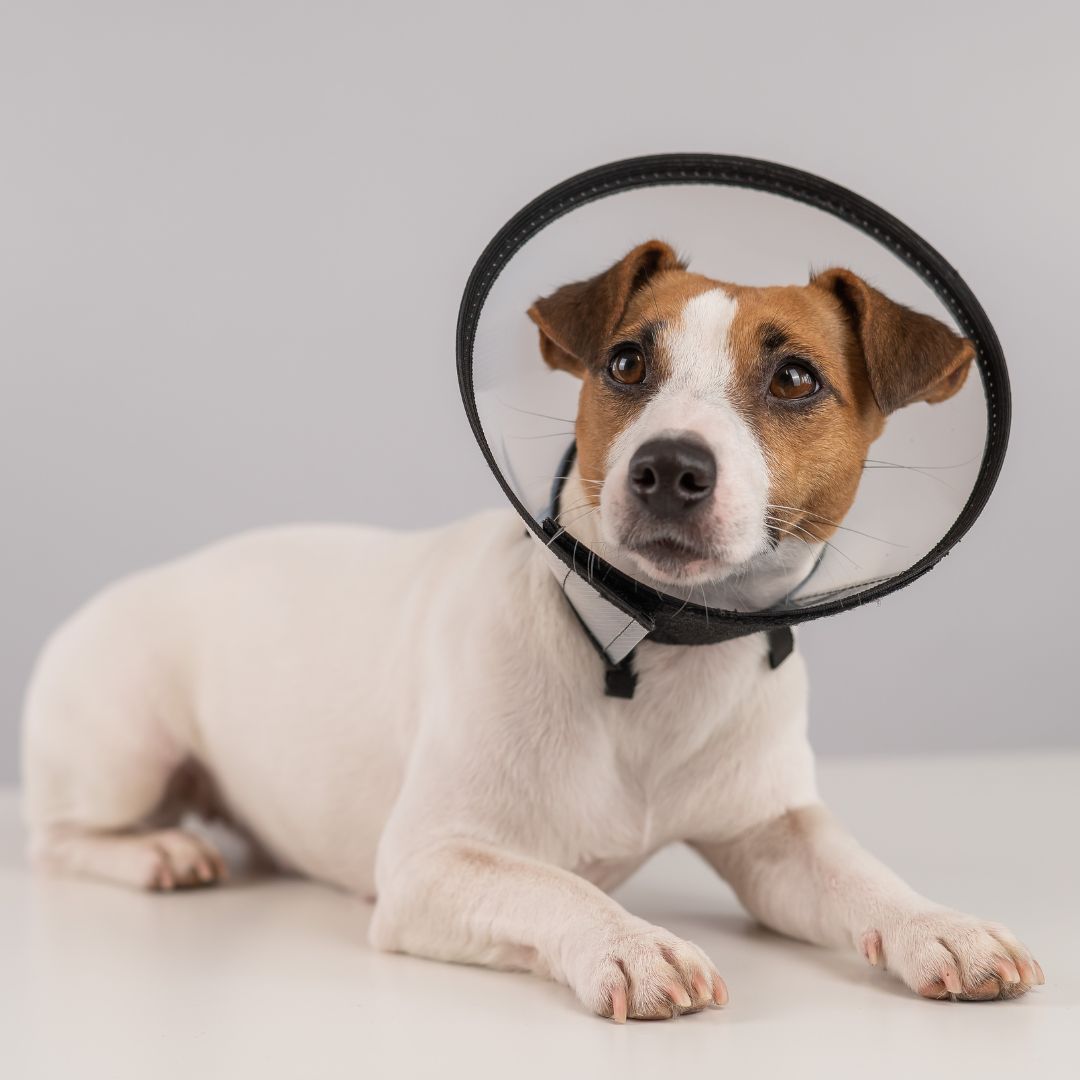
(762,583)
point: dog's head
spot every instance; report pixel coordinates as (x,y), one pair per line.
(719,422)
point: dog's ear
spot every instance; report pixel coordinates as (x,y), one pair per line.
(909,356)
(576,320)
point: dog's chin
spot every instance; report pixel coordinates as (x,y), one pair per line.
(679,556)
(675,562)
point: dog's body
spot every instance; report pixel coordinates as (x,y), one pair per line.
(309,670)
(420,717)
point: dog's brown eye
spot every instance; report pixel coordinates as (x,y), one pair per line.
(793,381)
(628,367)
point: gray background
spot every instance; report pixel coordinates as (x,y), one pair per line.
(233,239)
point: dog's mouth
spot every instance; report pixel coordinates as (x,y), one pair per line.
(673,558)
(670,552)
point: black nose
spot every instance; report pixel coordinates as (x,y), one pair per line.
(671,476)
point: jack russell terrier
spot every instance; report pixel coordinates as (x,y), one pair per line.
(372,710)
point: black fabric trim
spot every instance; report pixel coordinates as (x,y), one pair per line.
(676,622)
(566,463)
(620,680)
(781,645)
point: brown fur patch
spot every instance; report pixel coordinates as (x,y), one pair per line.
(815,449)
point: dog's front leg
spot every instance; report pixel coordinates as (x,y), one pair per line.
(804,875)
(471,902)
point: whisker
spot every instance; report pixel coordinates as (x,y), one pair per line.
(562,529)
(920,468)
(542,486)
(544,481)
(580,517)
(577,506)
(787,532)
(577,541)
(871,464)
(685,602)
(834,524)
(529,412)
(818,540)
(583,479)
(548,435)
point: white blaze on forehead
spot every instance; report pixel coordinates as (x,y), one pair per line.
(697,346)
(693,394)
(694,397)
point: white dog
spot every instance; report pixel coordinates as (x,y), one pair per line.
(421,718)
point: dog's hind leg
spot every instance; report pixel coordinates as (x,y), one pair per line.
(103,748)
(158,859)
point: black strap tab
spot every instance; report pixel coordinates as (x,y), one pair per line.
(620,680)
(781,645)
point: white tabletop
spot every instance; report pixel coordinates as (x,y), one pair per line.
(274,978)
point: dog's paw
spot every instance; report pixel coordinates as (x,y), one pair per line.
(178,859)
(643,972)
(161,861)
(944,954)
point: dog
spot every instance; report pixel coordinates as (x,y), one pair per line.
(419,718)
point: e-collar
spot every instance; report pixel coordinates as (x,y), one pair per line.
(617,611)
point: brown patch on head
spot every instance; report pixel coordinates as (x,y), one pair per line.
(815,448)
(872,356)
(576,321)
(580,325)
